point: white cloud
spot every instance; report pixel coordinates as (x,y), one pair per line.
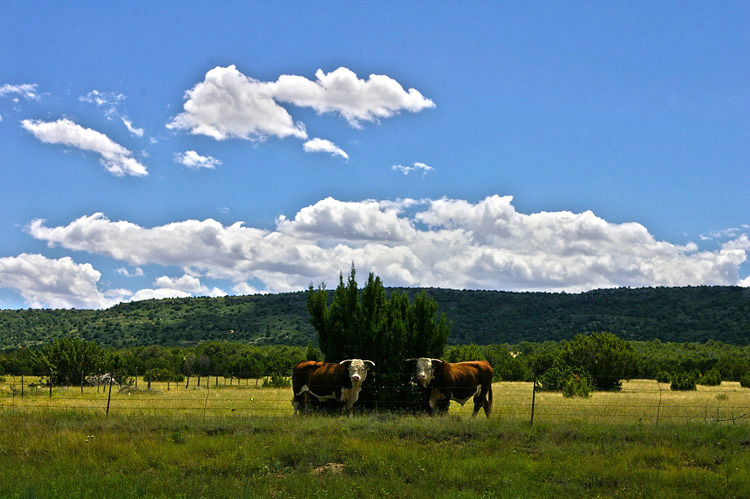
(355,99)
(244,288)
(406,170)
(137,272)
(137,132)
(323,145)
(25,90)
(195,161)
(229,104)
(334,220)
(109,101)
(157,294)
(188,284)
(443,243)
(61,283)
(115,158)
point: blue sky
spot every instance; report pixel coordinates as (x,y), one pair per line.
(184,149)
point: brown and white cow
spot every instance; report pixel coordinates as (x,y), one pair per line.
(459,381)
(329,381)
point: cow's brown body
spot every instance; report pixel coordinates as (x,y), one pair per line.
(328,381)
(459,381)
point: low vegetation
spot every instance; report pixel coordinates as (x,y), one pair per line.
(225,441)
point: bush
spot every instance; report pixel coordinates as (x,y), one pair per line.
(577,386)
(277,380)
(683,381)
(556,379)
(711,378)
(604,356)
(745,380)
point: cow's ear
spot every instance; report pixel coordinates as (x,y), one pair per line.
(369,364)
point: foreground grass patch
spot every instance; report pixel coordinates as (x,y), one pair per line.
(77,454)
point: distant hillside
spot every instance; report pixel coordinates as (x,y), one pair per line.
(670,314)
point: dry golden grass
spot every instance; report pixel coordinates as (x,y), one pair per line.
(639,401)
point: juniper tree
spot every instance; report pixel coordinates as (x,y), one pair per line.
(368,324)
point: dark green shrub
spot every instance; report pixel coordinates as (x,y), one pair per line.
(577,386)
(604,356)
(683,381)
(711,378)
(745,380)
(555,379)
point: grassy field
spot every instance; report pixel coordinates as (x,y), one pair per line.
(243,442)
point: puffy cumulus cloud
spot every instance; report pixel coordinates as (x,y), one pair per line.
(188,284)
(158,294)
(115,158)
(194,161)
(203,244)
(26,90)
(444,243)
(355,99)
(323,145)
(228,104)
(176,287)
(416,167)
(61,283)
(333,220)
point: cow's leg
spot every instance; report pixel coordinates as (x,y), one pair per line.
(481,402)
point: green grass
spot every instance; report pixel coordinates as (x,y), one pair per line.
(243,442)
(66,453)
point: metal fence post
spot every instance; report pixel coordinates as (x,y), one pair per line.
(533,398)
(109,396)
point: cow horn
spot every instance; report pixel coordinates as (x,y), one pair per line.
(345,361)
(411,360)
(371,363)
(436,360)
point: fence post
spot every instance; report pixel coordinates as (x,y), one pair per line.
(136,378)
(533,397)
(81,382)
(50,382)
(22,387)
(109,396)
(658,408)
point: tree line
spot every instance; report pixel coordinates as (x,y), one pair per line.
(676,315)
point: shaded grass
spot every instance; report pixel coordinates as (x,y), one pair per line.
(53,454)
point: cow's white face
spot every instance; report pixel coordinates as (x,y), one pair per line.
(425,371)
(358,370)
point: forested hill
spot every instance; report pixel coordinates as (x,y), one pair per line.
(670,314)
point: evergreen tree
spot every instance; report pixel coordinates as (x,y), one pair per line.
(368,325)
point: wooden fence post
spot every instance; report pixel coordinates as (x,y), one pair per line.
(22,387)
(81,382)
(50,382)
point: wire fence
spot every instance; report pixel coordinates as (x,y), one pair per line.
(249,395)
